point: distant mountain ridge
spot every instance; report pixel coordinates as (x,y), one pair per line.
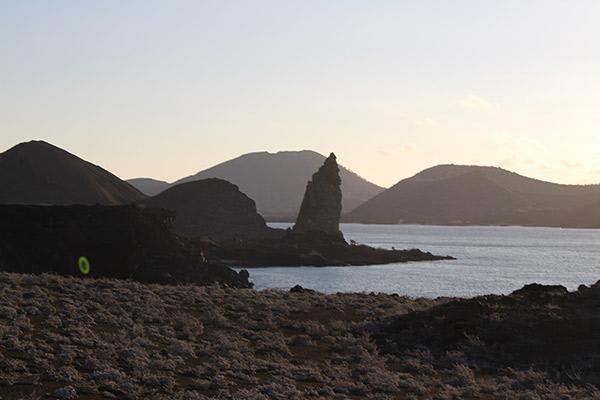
(476,195)
(276,181)
(149,186)
(37,172)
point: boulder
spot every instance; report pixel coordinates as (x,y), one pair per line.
(300,289)
(65,393)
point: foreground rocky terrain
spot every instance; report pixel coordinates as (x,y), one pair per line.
(73,338)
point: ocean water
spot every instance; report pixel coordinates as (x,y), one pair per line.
(489,260)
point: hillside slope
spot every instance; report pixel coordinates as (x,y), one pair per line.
(276,181)
(37,172)
(149,186)
(211,208)
(474,195)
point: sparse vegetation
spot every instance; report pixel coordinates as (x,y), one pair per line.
(99,339)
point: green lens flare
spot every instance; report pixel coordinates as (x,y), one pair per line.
(84,265)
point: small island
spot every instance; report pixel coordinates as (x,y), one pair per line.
(314,240)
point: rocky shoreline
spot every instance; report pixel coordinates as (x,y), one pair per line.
(316,249)
(72,338)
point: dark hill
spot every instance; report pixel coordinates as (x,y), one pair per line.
(37,172)
(276,181)
(211,208)
(473,195)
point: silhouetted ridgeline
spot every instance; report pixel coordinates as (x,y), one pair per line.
(119,241)
(276,181)
(37,172)
(149,186)
(473,195)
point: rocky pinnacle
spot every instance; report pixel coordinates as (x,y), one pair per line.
(322,204)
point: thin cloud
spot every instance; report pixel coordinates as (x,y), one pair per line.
(572,164)
(407,148)
(475,102)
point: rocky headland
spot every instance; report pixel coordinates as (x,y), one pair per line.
(314,240)
(315,249)
(72,338)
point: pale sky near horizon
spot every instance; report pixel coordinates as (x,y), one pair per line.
(164,89)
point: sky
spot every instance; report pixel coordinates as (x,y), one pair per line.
(164,89)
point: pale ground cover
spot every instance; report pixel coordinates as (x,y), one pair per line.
(100,339)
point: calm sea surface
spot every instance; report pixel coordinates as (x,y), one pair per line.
(490,260)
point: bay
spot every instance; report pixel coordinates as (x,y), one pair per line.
(490,260)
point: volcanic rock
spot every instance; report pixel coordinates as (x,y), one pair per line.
(300,289)
(317,249)
(123,340)
(322,203)
(537,327)
(65,393)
